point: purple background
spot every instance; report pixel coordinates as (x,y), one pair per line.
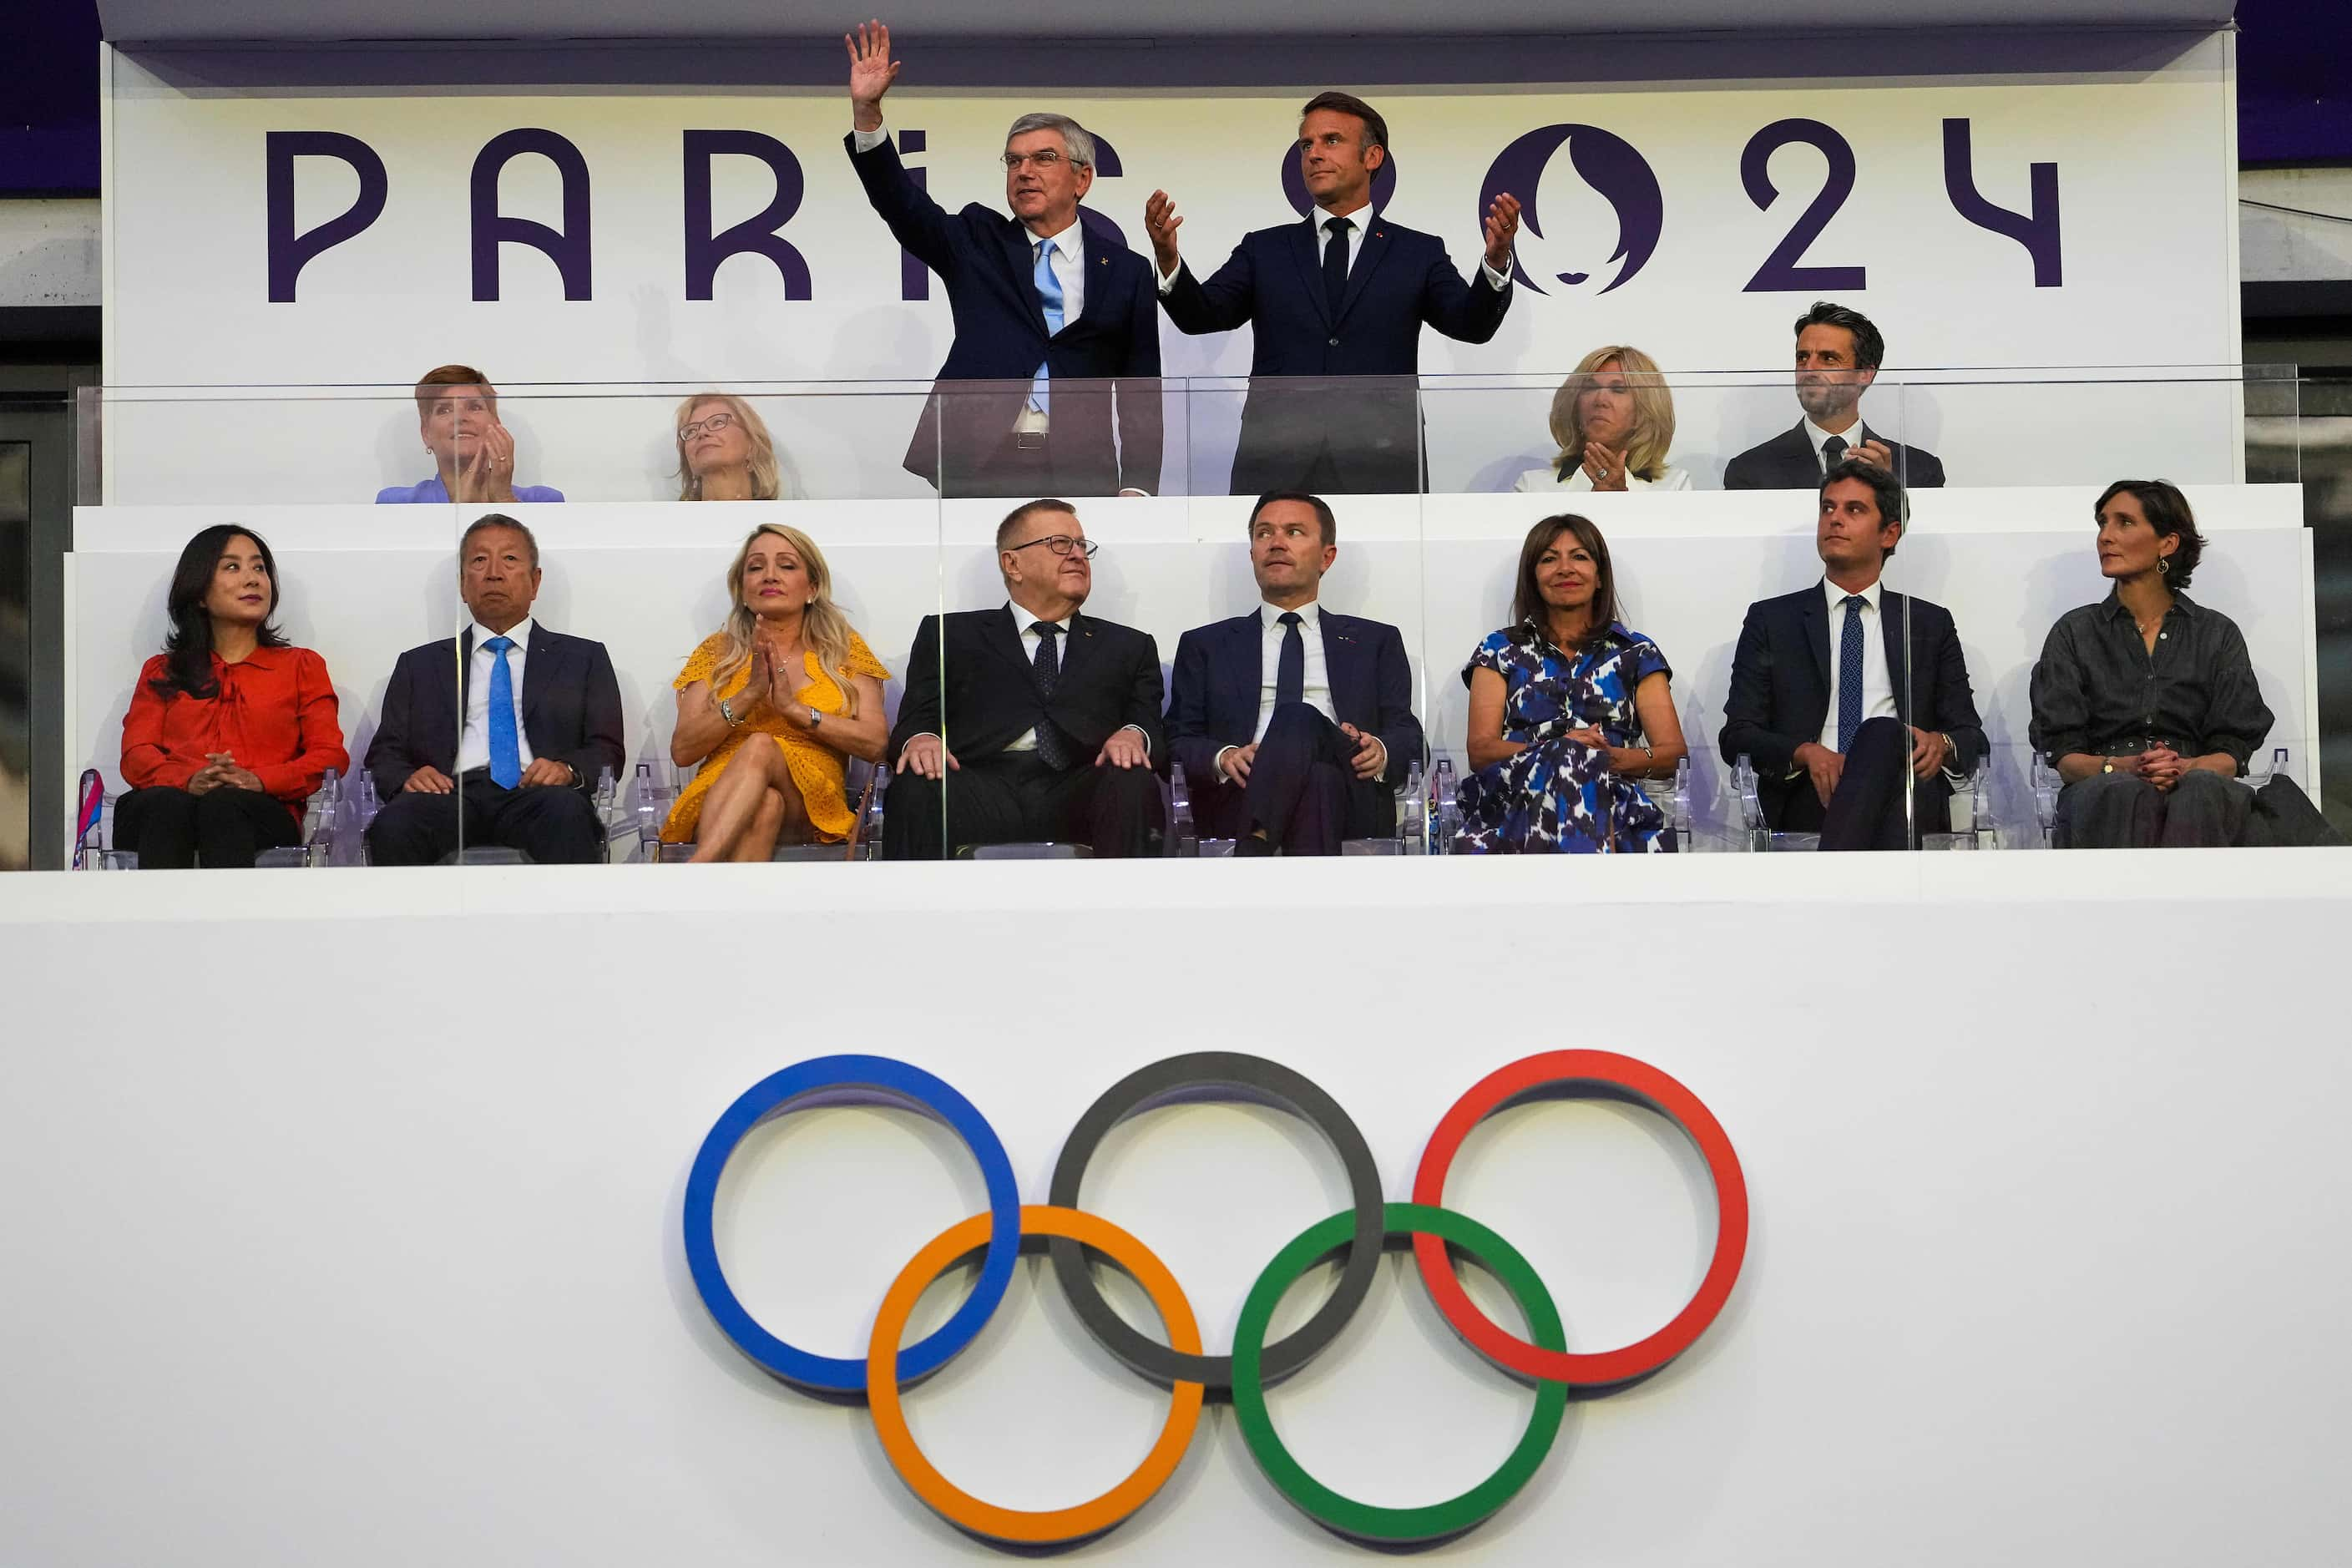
(2294,102)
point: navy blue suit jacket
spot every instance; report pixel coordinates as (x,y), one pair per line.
(1780,691)
(570,708)
(1787,462)
(1402,280)
(1219,674)
(987,263)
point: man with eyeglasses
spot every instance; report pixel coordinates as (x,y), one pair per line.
(1030,721)
(1048,314)
(1335,305)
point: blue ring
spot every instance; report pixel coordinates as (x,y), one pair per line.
(871,1078)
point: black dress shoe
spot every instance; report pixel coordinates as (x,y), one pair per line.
(1252,847)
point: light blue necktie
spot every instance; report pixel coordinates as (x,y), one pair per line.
(1849,672)
(505,752)
(1049,292)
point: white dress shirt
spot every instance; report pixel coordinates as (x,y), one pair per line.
(473,742)
(1536,480)
(1878,690)
(1852,436)
(1359,220)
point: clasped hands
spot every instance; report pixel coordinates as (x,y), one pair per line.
(220,772)
(1825,767)
(1369,759)
(2160,765)
(488,475)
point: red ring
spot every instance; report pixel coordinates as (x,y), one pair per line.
(1670,1099)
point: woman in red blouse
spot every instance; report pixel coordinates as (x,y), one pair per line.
(231,728)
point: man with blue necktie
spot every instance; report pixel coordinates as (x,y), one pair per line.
(1048,314)
(1294,723)
(541,719)
(1840,689)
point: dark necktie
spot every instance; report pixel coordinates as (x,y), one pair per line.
(1290,669)
(1335,265)
(1832,452)
(1053,747)
(1849,670)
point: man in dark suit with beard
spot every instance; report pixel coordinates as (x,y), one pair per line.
(1031,720)
(1341,295)
(1039,299)
(1294,723)
(1838,356)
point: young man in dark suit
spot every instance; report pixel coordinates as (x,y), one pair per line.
(1039,299)
(1340,295)
(540,719)
(1030,720)
(1294,723)
(1838,356)
(1840,687)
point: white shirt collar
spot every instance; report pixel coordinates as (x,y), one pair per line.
(1362,218)
(519,634)
(1068,242)
(1836,597)
(1023,620)
(1310,616)
(1852,435)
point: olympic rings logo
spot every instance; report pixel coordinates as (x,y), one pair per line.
(1182,1364)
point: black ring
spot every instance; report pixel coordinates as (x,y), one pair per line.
(1227,1076)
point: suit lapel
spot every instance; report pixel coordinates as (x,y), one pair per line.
(1310,267)
(1894,625)
(539,671)
(1247,661)
(997,634)
(1369,253)
(1020,256)
(1094,264)
(1817,635)
(1339,650)
(1076,649)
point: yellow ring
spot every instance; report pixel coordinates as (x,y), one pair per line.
(959,1508)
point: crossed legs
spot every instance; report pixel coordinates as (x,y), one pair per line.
(754,806)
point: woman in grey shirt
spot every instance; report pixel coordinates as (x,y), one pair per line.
(2145,702)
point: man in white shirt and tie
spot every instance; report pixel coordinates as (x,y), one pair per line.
(1840,691)
(1294,723)
(1336,305)
(1049,315)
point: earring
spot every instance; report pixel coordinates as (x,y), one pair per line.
(2163,567)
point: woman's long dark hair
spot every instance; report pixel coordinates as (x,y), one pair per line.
(1527,606)
(188,647)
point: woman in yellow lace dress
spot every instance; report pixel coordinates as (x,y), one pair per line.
(771,706)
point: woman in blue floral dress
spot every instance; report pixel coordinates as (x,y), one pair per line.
(1567,710)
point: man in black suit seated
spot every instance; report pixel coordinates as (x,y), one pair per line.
(1829,733)
(543,717)
(1040,299)
(1838,356)
(1340,294)
(1030,720)
(1294,723)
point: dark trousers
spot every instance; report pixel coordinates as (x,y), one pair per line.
(172,830)
(1012,797)
(1302,790)
(1039,464)
(2123,811)
(553,826)
(1865,810)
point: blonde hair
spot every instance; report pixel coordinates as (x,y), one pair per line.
(766,484)
(823,626)
(1654,410)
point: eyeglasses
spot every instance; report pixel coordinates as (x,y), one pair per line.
(1045,161)
(1062,544)
(716,423)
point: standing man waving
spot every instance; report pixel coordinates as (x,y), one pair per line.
(1342,294)
(1038,299)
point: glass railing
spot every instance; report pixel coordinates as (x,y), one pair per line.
(1456,695)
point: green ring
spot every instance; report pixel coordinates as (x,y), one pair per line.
(1368,1521)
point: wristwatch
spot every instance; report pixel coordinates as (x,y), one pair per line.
(727,713)
(815,718)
